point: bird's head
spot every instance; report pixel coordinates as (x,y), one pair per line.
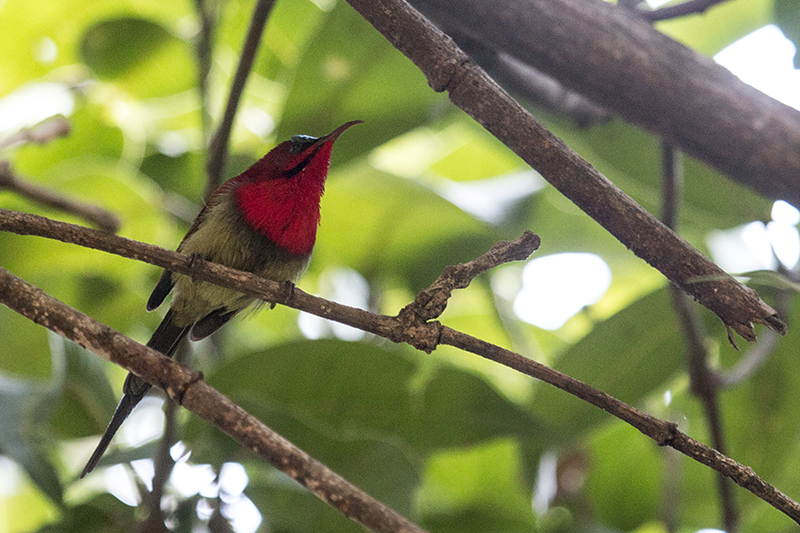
(279,196)
(301,153)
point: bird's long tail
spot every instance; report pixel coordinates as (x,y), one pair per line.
(165,340)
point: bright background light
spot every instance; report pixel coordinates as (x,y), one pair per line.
(655,4)
(763,59)
(342,285)
(33,103)
(556,287)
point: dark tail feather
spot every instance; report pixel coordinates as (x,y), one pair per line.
(165,340)
(124,408)
(210,323)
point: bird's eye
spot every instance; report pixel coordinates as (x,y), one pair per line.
(300,143)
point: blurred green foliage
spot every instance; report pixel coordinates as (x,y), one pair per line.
(451,441)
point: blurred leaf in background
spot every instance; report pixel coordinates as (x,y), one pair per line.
(453,442)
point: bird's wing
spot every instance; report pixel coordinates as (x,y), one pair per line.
(162,288)
(211,323)
(165,282)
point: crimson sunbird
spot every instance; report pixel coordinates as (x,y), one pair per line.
(262,221)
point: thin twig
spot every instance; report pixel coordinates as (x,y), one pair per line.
(704,383)
(207,13)
(406,327)
(186,387)
(447,68)
(690,7)
(431,302)
(530,84)
(163,463)
(664,433)
(97,216)
(42,133)
(219,143)
(671,185)
(705,386)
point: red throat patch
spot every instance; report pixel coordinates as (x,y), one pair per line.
(286,209)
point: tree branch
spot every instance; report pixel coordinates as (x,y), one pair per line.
(703,380)
(690,7)
(671,185)
(97,216)
(618,60)
(41,133)
(410,326)
(219,143)
(662,432)
(448,68)
(530,84)
(705,385)
(186,387)
(163,465)
(207,13)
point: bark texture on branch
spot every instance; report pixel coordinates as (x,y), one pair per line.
(449,69)
(413,325)
(187,387)
(616,58)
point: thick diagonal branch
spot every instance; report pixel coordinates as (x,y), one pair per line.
(218,151)
(618,60)
(187,388)
(449,69)
(411,329)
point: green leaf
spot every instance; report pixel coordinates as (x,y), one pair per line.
(787,17)
(139,55)
(770,278)
(288,508)
(93,135)
(87,400)
(765,406)
(101,514)
(182,174)
(360,409)
(343,76)
(625,477)
(19,335)
(384,469)
(476,489)
(650,354)
(58,27)
(115,47)
(631,159)
(388,229)
(359,390)
(25,405)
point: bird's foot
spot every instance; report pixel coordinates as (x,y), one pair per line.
(289,287)
(195,260)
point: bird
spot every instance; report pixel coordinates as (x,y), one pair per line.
(262,221)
